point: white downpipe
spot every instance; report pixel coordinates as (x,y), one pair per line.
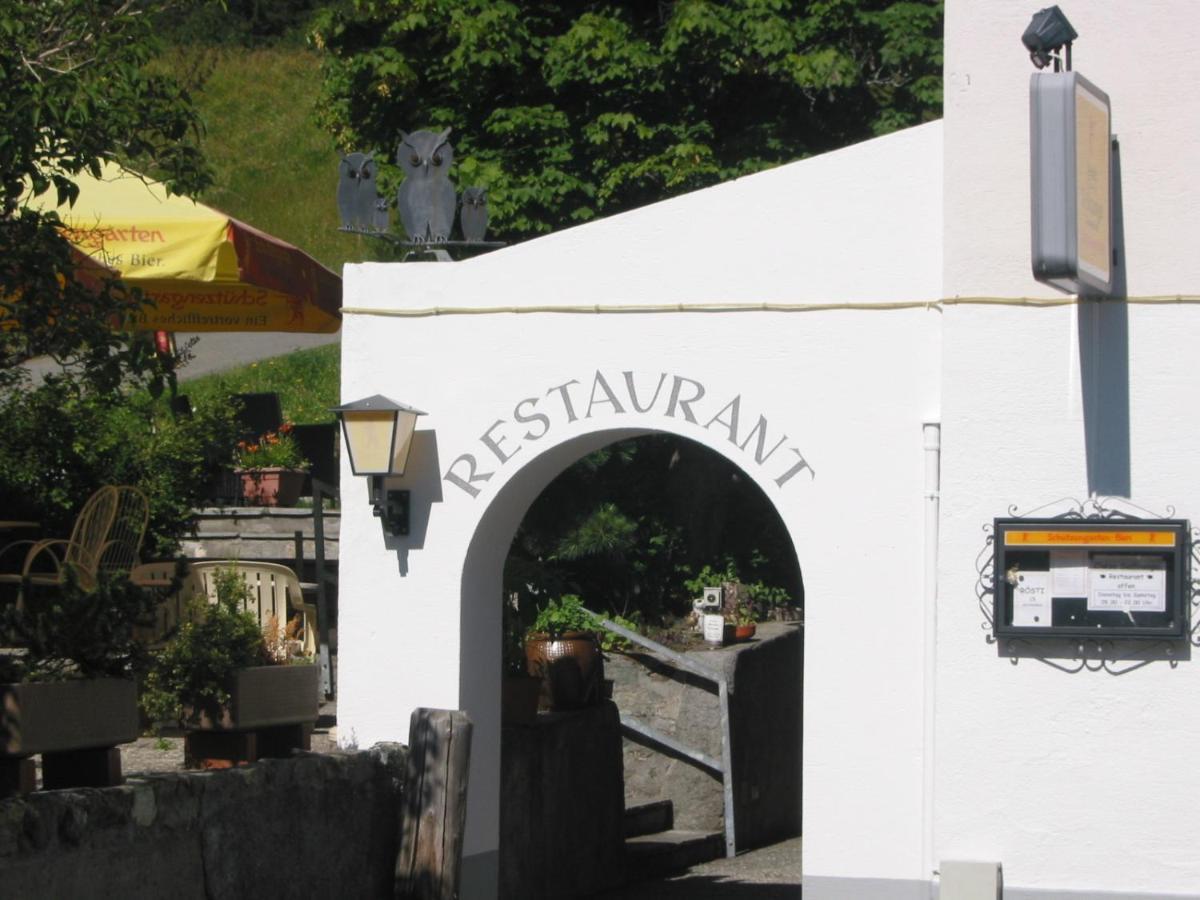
(933,480)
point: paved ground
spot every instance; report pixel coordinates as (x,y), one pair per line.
(218,351)
(772,873)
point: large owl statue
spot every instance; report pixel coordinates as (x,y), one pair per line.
(474,215)
(426,200)
(357,192)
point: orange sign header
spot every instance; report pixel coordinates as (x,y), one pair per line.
(1047,538)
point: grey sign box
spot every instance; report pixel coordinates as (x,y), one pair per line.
(1071,183)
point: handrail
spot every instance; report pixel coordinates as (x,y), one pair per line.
(725,767)
(321,490)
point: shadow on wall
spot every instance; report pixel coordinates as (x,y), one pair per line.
(1104,368)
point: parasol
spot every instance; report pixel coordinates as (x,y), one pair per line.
(205,270)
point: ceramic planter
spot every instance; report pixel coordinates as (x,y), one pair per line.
(570,666)
(271,486)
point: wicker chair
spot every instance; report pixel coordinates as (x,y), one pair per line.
(106,538)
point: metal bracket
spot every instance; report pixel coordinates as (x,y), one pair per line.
(390,506)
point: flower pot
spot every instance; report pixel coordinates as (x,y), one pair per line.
(271,486)
(570,667)
(519,696)
(744,632)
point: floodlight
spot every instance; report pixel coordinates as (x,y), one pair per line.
(1047,33)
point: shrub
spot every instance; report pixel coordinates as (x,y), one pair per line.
(196,670)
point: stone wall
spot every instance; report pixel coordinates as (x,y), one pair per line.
(765,678)
(309,826)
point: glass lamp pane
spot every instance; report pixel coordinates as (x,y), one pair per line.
(406,423)
(369,435)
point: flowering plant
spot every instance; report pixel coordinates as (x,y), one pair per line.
(274,450)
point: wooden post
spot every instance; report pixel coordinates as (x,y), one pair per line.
(435,806)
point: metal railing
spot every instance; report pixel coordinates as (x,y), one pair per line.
(722,767)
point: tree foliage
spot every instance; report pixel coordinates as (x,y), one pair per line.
(569,111)
(78,89)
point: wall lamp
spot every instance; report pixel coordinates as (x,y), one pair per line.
(378,434)
(1049,32)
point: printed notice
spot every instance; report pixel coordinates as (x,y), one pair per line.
(1032,600)
(1127,584)
(1069,571)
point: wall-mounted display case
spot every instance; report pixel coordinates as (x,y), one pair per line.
(1089,578)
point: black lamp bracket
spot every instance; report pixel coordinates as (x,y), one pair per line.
(390,506)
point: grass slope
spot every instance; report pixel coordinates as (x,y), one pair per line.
(275,169)
(306,381)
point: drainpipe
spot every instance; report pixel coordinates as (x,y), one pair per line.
(933,479)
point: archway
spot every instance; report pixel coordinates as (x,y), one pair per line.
(480,622)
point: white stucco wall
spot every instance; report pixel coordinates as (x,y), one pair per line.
(1081,781)
(1077,783)
(419,617)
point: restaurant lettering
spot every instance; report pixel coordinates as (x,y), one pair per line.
(675,396)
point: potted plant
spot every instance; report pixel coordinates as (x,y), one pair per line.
(239,690)
(562,648)
(271,468)
(741,618)
(67,688)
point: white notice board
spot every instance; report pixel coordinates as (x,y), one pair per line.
(1127,584)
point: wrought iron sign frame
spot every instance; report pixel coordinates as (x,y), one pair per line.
(1095,648)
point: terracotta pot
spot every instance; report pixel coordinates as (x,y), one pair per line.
(519,696)
(744,632)
(271,486)
(570,667)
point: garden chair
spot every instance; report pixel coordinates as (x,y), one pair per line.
(275,592)
(106,538)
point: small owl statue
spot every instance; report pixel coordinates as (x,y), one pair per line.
(357,194)
(427,199)
(474,214)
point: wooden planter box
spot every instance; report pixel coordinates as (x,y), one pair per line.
(271,712)
(263,697)
(74,725)
(67,715)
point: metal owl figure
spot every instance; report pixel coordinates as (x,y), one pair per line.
(474,215)
(357,193)
(426,200)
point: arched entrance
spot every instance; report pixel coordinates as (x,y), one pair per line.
(480,619)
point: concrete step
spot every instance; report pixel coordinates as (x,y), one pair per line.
(667,852)
(649,818)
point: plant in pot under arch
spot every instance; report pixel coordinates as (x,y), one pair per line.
(563,649)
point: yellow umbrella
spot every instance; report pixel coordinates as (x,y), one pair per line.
(205,270)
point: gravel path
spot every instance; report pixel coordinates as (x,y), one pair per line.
(147,755)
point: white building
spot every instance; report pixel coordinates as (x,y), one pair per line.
(874,293)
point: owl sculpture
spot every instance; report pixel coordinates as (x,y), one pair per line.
(474,215)
(426,200)
(357,193)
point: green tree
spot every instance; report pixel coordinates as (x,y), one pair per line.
(78,89)
(569,111)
